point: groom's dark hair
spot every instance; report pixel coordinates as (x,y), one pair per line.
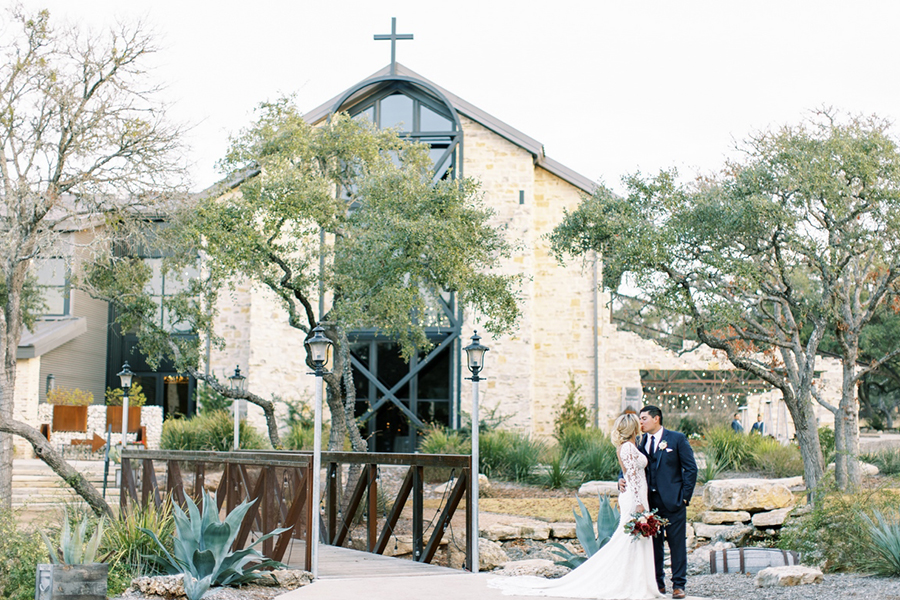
(653,411)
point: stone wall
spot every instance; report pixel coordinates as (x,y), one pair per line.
(25,400)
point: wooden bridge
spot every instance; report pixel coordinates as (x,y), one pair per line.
(280,483)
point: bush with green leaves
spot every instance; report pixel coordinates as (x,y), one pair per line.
(591,538)
(826,441)
(440,440)
(593,452)
(711,468)
(573,413)
(884,533)
(837,533)
(129,545)
(887,460)
(210,401)
(733,450)
(509,455)
(21,551)
(209,431)
(560,471)
(136,397)
(775,459)
(201,548)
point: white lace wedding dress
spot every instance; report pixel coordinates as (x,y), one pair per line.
(623,569)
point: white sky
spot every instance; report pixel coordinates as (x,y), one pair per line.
(609,87)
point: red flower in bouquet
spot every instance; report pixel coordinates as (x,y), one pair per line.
(645,524)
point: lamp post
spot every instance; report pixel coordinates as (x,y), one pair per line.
(125,377)
(236,382)
(318,346)
(475,354)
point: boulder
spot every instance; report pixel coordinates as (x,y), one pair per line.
(498,532)
(490,555)
(772,518)
(717,517)
(689,535)
(788,576)
(752,495)
(864,468)
(289,579)
(484,486)
(533,530)
(593,488)
(538,567)
(791,482)
(722,532)
(562,531)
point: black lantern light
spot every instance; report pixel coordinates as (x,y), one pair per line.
(237,381)
(475,352)
(125,376)
(318,346)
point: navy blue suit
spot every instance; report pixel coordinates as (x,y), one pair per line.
(671,476)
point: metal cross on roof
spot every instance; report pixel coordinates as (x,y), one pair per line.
(394,36)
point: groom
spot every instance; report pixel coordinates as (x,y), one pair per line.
(671,475)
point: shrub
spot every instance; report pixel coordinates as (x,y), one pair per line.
(733,450)
(691,426)
(887,460)
(559,472)
(835,534)
(573,413)
(21,550)
(598,461)
(508,455)
(711,469)
(73,548)
(885,536)
(213,431)
(130,546)
(62,396)
(439,440)
(591,538)
(136,396)
(775,459)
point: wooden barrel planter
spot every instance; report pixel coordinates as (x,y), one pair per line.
(71,582)
(70,418)
(114,418)
(750,560)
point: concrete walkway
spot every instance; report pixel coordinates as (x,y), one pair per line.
(346,574)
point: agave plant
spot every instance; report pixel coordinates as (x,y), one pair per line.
(591,539)
(72,549)
(202,548)
(886,543)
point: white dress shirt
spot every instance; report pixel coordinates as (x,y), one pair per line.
(658,435)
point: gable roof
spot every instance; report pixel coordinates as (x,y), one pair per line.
(49,334)
(471,111)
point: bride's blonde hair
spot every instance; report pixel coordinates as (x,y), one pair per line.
(625,427)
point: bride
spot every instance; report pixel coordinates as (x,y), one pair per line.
(623,569)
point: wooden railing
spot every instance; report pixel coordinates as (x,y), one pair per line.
(285,505)
(280,484)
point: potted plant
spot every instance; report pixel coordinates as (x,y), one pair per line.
(136,399)
(69,408)
(74,572)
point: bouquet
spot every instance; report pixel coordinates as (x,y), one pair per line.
(645,524)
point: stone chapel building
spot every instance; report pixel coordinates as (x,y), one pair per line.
(565,327)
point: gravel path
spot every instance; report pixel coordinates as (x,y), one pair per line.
(835,587)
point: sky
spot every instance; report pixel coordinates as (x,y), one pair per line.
(609,87)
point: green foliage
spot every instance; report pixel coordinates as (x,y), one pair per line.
(826,441)
(774,459)
(213,431)
(573,413)
(440,440)
(72,548)
(733,450)
(885,536)
(711,469)
(62,396)
(136,397)
(835,534)
(691,426)
(559,472)
(210,401)
(591,539)
(887,460)
(593,452)
(129,545)
(21,550)
(508,455)
(201,548)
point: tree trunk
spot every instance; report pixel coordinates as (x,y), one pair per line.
(55,461)
(807,433)
(846,423)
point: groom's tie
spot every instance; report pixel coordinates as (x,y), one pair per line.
(652,445)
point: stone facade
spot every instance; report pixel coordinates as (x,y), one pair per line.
(25,406)
(151,418)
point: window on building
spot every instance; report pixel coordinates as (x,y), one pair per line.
(53,279)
